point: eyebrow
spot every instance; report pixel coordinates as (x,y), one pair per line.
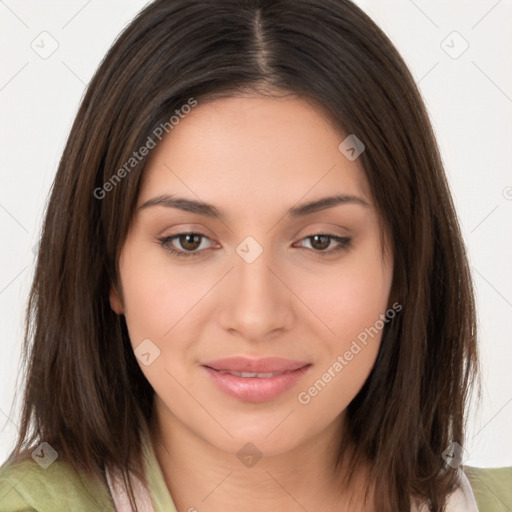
(209,210)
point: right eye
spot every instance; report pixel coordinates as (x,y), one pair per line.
(190,243)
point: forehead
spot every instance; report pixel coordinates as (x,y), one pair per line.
(254,150)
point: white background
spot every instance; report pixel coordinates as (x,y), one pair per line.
(469,99)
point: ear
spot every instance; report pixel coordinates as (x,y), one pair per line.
(115,301)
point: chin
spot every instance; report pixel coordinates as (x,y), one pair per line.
(271,435)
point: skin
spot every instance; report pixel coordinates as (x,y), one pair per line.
(253,157)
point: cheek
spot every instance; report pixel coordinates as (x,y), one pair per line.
(350,297)
(158,297)
(159,310)
(353,304)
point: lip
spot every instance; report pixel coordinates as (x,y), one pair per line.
(262,365)
(255,389)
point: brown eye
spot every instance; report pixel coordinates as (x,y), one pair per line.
(320,243)
(184,244)
(190,241)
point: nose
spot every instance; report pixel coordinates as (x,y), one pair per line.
(258,301)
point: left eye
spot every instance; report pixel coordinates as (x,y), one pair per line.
(191,243)
(321,241)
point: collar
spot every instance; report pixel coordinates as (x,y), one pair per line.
(154,498)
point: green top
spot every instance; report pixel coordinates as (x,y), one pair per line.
(27,487)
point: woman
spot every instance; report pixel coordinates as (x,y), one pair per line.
(251,289)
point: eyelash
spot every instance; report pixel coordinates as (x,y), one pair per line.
(344,242)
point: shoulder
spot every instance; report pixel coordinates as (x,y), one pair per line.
(492,488)
(25,486)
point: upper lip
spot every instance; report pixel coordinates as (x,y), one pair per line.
(262,365)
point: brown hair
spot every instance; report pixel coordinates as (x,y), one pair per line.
(85,393)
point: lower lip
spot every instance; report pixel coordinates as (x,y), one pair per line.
(255,389)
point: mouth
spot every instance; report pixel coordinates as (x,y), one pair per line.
(252,374)
(262,365)
(255,380)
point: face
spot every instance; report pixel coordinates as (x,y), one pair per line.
(295,298)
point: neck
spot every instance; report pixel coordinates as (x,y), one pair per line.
(300,479)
